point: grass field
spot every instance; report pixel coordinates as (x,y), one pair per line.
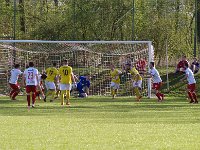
(100,123)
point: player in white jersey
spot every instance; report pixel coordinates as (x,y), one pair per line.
(15,73)
(157,81)
(191,86)
(30,79)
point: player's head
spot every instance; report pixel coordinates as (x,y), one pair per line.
(112,66)
(184,57)
(17,66)
(152,64)
(186,65)
(43,76)
(65,62)
(31,64)
(27,66)
(127,66)
(54,64)
(88,76)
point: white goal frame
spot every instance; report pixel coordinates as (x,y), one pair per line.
(149,43)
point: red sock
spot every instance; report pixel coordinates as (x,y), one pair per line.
(194,96)
(15,94)
(29,100)
(33,98)
(190,96)
(158,95)
(11,93)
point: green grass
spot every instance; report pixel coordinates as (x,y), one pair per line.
(100,123)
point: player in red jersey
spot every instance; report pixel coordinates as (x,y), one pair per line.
(15,73)
(191,86)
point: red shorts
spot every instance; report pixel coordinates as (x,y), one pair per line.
(14,86)
(157,86)
(191,87)
(30,88)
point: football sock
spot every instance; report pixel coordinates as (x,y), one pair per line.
(14,94)
(113,92)
(158,96)
(137,92)
(49,92)
(190,96)
(62,96)
(194,96)
(29,100)
(11,93)
(68,94)
(33,98)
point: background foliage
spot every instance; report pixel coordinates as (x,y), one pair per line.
(155,20)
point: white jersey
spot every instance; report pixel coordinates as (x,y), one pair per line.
(155,75)
(30,76)
(190,76)
(14,76)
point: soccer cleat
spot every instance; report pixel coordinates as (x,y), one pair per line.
(68,103)
(62,103)
(33,106)
(191,101)
(45,98)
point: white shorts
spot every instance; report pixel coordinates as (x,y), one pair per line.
(65,86)
(114,85)
(50,85)
(137,84)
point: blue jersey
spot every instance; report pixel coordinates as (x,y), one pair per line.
(83,82)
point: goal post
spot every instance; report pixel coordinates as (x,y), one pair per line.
(92,57)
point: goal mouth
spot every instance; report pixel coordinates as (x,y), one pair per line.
(93,57)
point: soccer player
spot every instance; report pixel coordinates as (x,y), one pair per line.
(115,80)
(157,81)
(15,73)
(30,79)
(66,78)
(52,75)
(141,65)
(191,86)
(83,86)
(136,79)
(180,66)
(41,78)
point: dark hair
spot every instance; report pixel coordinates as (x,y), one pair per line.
(17,66)
(152,63)
(186,65)
(31,64)
(43,76)
(54,64)
(65,60)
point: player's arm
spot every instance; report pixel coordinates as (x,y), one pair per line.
(73,78)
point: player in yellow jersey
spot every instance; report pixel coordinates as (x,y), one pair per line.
(136,79)
(52,76)
(66,78)
(115,80)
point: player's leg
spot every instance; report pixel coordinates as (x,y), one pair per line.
(28,90)
(33,91)
(15,91)
(190,93)
(156,87)
(112,86)
(68,88)
(193,87)
(136,86)
(63,90)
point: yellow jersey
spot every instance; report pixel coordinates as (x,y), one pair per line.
(51,72)
(134,72)
(115,76)
(65,73)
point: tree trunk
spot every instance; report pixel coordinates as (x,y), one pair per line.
(22,16)
(56,3)
(198,21)
(7,3)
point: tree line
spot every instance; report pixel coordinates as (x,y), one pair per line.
(155,20)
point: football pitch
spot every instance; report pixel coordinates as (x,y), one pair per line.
(98,123)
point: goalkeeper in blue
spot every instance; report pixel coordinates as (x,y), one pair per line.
(83,86)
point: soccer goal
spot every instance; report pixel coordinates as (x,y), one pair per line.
(92,57)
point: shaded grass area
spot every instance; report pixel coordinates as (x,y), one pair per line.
(100,123)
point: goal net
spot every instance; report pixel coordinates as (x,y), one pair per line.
(92,57)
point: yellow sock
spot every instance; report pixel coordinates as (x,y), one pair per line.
(62,96)
(112,92)
(68,94)
(137,92)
